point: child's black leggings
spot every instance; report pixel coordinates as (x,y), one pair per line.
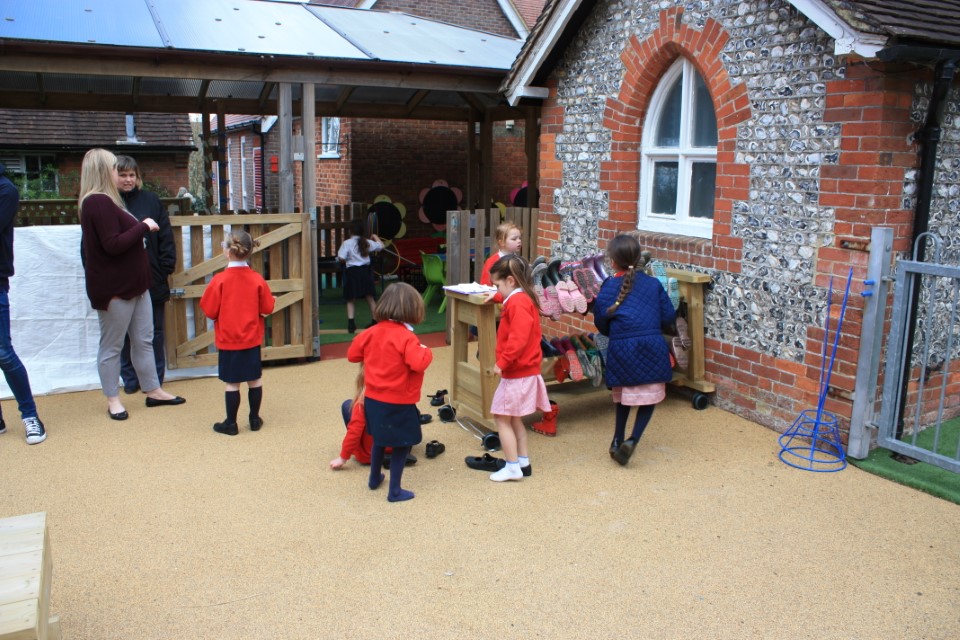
(644,413)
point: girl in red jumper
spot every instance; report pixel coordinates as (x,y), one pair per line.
(394,362)
(358,442)
(508,242)
(521,390)
(237,300)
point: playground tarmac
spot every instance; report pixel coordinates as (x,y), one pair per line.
(161,528)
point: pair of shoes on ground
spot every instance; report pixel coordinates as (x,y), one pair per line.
(231,428)
(434,448)
(487,462)
(32,426)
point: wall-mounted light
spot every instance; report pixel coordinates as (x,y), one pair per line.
(509,124)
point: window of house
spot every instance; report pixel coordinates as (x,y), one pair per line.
(329,138)
(678,164)
(35,175)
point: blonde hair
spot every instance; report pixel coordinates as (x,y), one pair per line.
(240,244)
(361,387)
(400,302)
(96,176)
(503,230)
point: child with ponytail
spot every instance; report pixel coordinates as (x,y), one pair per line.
(634,311)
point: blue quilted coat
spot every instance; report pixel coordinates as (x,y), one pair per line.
(638,353)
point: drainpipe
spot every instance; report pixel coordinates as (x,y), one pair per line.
(929,139)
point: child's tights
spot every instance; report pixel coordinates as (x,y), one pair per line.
(232,400)
(644,413)
(398,459)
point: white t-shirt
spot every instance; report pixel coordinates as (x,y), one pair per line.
(350,252)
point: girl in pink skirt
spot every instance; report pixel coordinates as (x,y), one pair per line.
(521,390)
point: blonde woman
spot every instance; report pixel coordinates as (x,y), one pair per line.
(118,280)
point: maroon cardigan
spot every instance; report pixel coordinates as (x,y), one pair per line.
(116,264)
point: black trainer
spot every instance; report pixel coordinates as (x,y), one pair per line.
(3,426)
(35,431)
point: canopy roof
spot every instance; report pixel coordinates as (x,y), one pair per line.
(167,55)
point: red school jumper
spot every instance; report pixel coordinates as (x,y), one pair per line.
(518,337)
(236,300)
(393,362)
(358,442)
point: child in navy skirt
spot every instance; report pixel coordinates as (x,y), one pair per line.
(237,300)
(358,275)
(394,361)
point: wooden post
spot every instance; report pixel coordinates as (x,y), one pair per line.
(470,192)
(531,132)
(285,109)
(208,151)
(308,110)
(224,179)
(486,161)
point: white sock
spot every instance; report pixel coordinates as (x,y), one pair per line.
(523,461)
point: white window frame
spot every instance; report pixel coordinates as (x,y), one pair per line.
(329,148)
(685,155)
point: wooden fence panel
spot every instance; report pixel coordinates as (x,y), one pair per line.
(283,259)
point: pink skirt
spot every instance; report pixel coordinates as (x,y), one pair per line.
(520,396)
(640,395)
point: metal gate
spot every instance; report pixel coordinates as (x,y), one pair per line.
(921,377)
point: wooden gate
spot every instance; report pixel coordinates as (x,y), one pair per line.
(284,260)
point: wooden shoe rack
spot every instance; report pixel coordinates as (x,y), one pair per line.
(472,381)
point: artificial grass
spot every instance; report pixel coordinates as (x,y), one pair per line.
(333,316)
(923,476)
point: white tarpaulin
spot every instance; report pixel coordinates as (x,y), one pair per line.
(53,327)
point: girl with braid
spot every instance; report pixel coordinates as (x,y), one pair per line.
(633,310)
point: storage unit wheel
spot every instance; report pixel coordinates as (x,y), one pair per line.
(700,401)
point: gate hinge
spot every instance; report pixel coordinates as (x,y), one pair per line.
(177,292)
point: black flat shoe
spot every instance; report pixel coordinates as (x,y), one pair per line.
(123,415)
(226,428)
(625,451)
(153,402)
(486,462)
(434,448)
(613,448)
(425,418)
(409,462)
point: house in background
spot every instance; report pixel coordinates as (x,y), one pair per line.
(359,159)
(46,148)
(759,143)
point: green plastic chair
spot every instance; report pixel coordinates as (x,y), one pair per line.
(434,272)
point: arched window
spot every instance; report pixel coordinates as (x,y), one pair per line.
(678,168)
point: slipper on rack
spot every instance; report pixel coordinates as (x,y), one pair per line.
(548,305)
(581,352)
(554,284)
(680,353)
(586,281)
(579,300)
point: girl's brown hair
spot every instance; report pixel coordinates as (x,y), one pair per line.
(126,163)
(624,253)
(515,266)
(400,302)
(359,230)
(240,244)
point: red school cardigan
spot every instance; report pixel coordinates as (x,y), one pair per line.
(236,300)
(518,338)
(393,362)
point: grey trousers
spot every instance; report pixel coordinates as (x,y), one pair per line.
(127,317)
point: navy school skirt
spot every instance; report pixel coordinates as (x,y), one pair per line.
(239,366)
(358,283)
(393,425)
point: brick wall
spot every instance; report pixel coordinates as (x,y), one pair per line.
(813,151)
(482,15)
(168,170)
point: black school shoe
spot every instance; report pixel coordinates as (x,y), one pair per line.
(410,461)
(487,462)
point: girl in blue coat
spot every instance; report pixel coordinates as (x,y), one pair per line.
(634,311)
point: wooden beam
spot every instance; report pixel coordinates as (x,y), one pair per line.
(473,101)
(531,133)
(265,93)
(202,94)
(154,65)
(309,151)
(135,93)
(342,97)
(207,161)
(224,186)
(416,100)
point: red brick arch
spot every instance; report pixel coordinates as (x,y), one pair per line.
(645,63)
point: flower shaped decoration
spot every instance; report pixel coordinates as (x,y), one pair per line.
(385,218)
(436,200)
(519,197)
